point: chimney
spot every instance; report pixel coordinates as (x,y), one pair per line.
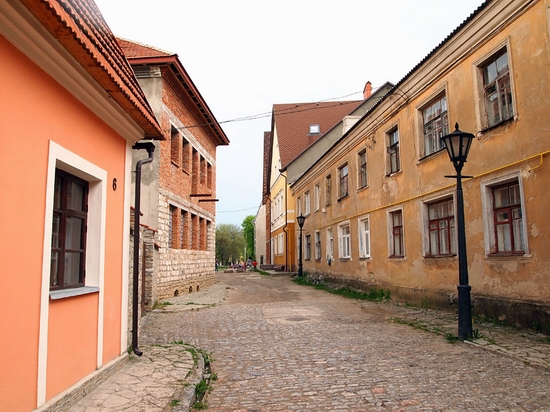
(367,91)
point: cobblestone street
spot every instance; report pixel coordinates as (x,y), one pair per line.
(278,346)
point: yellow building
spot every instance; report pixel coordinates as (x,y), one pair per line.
(295,127)
(387,218)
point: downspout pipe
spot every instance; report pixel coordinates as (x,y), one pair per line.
(285,227)
(150,147)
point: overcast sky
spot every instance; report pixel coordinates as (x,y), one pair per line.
(246,55)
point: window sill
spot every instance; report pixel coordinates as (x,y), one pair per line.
(343,197)
(344,259)
(431,156)
(72,292)
(453,256)
(508,256)
(501,123)
(367,258)
(392,174)
(175,164)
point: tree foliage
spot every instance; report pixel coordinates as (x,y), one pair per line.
(248,234)
(229,243)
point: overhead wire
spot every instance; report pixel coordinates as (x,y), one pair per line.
(299,107)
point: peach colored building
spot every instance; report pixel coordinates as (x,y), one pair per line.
(71,112)
(389,220)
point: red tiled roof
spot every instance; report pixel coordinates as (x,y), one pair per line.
(79,26)
(292,123)
(135,50)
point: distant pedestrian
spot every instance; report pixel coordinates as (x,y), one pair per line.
(217,264)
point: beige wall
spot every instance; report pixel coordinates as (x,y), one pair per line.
(511,150)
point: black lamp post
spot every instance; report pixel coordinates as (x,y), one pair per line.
(301,219)
(458,145)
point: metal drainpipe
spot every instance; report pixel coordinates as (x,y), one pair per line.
(150,147)
(285,227)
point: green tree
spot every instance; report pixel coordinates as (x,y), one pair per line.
(229,243)
(248,234)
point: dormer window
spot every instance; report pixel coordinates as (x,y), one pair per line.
(314,129)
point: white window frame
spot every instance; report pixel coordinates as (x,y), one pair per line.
(344,240)
(281,243)
(479,86)
(330,244)
(307,246)
(62,158)
(317,245)
(317,197)
(307,204)
(364,237)
(341,176)
(487,203)
(299,206)
(440,95)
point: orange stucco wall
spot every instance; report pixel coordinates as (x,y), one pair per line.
(36,109)
(71,322)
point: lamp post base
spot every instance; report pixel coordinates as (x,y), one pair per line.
(464,312)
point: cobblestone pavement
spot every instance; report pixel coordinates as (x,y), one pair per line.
(278,346)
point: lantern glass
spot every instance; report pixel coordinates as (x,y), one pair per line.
(301,219)
(458,145)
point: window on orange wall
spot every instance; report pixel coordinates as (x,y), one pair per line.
(436,124)
(508,218)
(70,213)
(328,189)
(396,237)
(362,168)
(497,89)
(344,241)
(364,237)
(393,151)
(343,176)
(317,245)
(441,227)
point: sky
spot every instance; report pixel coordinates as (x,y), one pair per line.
(244,56)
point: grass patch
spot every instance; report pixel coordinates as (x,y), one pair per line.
(373,294)
(205,385)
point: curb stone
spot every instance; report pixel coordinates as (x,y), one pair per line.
(187,394)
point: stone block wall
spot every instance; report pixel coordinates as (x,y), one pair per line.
(191,267)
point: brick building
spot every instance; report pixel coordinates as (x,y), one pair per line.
(179,186)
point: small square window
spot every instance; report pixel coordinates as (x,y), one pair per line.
(314,129)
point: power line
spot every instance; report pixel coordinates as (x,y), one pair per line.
(278,113)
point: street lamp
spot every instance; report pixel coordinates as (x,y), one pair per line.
(458,145)
(301,219)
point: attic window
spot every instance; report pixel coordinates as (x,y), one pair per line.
(314,129)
